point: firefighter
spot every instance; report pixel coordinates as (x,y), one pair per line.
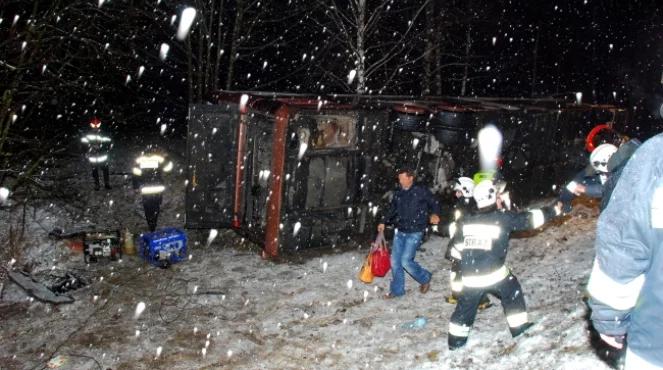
(147,175)
(626,283)
(589,181)
(98,147)
(483,240)
(465,205)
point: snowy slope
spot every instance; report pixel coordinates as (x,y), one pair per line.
(227,308)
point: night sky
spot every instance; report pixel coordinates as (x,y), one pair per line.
(84,58)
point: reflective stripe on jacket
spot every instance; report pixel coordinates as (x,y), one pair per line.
(98,146)
(483,241)
(148,173)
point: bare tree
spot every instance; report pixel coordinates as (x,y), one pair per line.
(379,38)
(41,69)
(453,60)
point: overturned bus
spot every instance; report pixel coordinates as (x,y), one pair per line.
(291,171)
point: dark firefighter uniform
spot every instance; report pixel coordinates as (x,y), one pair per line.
(592,178)
(98,147)
(483,240)
(464,206)
(148,177)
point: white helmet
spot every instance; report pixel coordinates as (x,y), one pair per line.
(465,185)
(600,157)
(485,194)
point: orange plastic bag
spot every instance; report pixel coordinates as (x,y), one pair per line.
(365,274)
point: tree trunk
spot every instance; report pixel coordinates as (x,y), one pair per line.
(438,55)
(534,62)
(208,57)
(361,52)
(466,72)
(430,52)
(200,66)
(219,47)
(234,43)
(189,60)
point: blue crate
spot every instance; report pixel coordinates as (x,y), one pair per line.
(163,247)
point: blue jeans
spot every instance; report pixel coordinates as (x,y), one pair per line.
(404,248)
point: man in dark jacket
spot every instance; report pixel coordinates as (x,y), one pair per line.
(626,284)
(483,240)
(409,212)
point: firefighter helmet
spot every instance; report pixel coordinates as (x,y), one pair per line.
(95,122)
(465,185)
(601,155)
(485,194)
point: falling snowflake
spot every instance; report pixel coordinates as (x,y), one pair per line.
(212,235)
(140,307)
(243,100)
(188,16)
(163,51)
(4,195)
(351,76)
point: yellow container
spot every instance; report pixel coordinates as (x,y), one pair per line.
(128,246)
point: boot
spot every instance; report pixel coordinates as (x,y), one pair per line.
(485,303)
(106,176)
(521,329)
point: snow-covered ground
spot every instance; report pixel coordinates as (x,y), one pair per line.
(227,308)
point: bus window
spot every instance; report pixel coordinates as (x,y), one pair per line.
(327,182)
(334,132)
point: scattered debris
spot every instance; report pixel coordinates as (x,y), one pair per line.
(59,233)
(68,282)
(418,323)
(57,362)
(36,289)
